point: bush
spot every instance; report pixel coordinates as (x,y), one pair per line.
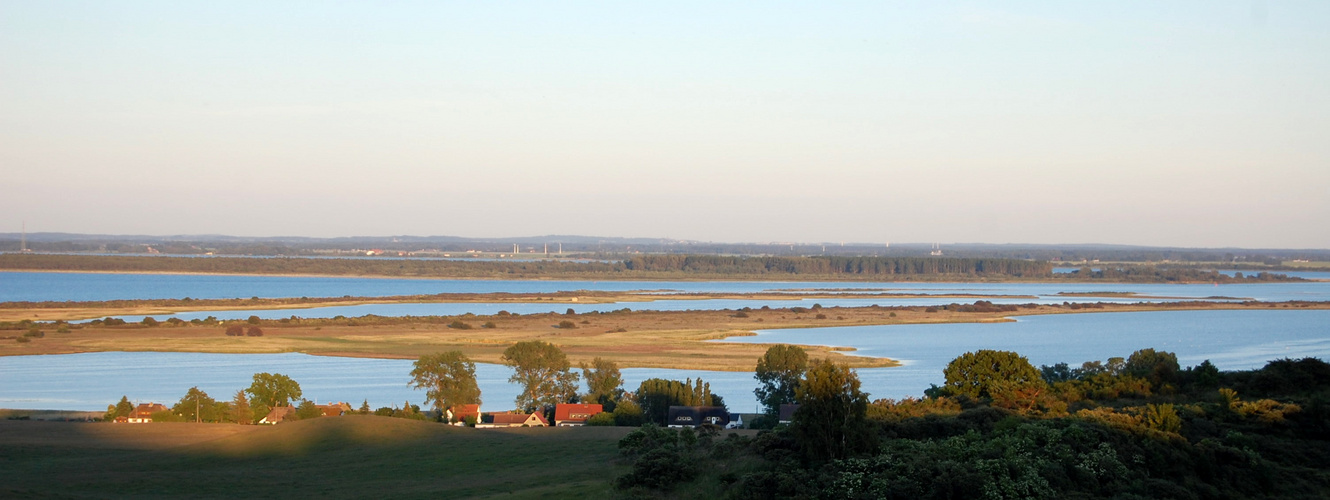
(235,331)
(659,469)
(459,325)
(601,419)
(489,324)
(150,321)
(34,333)
(23,340)
(253,320)
(254,331)
(740,314)
(567,325)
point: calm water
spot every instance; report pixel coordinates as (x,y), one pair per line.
(17,286)
(1230,339)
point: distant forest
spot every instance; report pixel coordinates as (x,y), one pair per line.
(640,267)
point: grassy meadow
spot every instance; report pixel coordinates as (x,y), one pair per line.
(344,457)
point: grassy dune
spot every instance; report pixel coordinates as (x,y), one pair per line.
(345,457)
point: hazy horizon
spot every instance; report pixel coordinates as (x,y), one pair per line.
(1190,124)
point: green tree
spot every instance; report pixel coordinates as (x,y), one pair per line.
(543,371)
(364,408)
(241,412)
(655,397)
(831,421)
(778,374)
(196,406)
(449,379)
(270,390)
(986,373)
(1159,367)
(123,408)
(604,382)
(307,409)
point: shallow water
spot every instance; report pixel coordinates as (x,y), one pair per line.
(1233,340)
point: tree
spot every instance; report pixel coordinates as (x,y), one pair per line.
(655,397)
(241,413)
(985,373)
(124,407)
(778,374)
(831,421)
(196,406)
(543,371)
(1159,367)
(604,381)
(270,390)
(364,408)
(449,379)
(307,409)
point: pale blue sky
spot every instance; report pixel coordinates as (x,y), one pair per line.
(1165,123)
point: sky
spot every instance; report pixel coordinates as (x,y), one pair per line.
(1188,123)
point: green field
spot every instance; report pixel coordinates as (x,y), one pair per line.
(345,457)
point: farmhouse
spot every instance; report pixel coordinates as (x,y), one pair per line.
(142,413)
(512,420)
(568,414)
(458,413)
(334,409)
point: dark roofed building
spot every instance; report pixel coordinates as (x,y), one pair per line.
(787,412)
(513,420)
(693,416)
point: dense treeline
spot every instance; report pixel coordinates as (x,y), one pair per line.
(1152,274)
(635,267)
(873,266)
(1130,428)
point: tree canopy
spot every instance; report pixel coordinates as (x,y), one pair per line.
(197,406)
(655,397)
(544,373)
(449,379)
(831,421)
(986,373)
(778,374)
(604,382)
(272,389)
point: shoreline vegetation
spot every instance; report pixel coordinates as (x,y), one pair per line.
(643,267)
(635,339)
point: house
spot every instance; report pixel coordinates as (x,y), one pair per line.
(569,414)
(787,412)
(513,420)
(142,413)
(693,416)
(460,412)
(334,409)
(278,414)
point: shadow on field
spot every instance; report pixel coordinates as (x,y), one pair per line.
(349,456)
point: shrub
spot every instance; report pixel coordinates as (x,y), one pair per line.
(253,320)
(459,325)
(930,310)
(23,340)
(821,316)
(35,333)
(150,321)
(489,324)
(254,331)
(601,419)
(235,331)
(740,314)
(567,325)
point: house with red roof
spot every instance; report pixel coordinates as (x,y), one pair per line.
(334,409)
(279,414)
(569,414)
(460,412)
(142,413)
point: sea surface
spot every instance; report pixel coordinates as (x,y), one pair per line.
(43,286)
(1232,340)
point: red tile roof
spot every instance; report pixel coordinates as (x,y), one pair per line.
(575,413)
(460,412)
(145,410)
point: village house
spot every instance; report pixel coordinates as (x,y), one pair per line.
(334,409)
(142,413)
(460,412)
(278,415)
(491,420)
(569,414)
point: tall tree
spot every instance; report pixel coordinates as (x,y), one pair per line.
(604,382)
(196,406)
(270,390)
(778,374)
(449,379)
(241,413)
(986,373)
(831,421)
(124,407)
(543,371)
